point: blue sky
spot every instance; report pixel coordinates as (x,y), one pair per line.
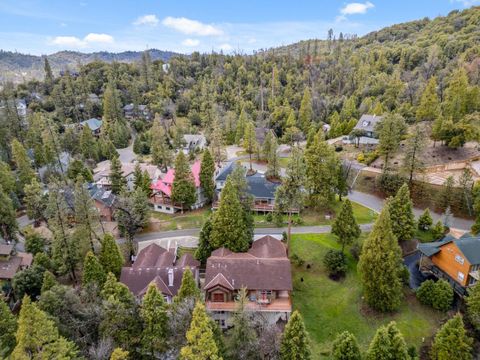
(44,27)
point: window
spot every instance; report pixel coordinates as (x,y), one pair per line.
(167,208)
(459,259)
(218,297)
(461,276)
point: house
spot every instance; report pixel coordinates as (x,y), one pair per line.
(261,134)
(60,166)
(94,124)
(12,262)
(104,201)
(162,191)
(159,266)
(17,105)
(132,111)
(264,271)
(259,188)
(367,124)
(193,142)
(101,174)
(452,259)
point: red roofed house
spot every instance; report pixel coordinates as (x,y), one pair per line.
(264,271)
(162,191)
(161,267)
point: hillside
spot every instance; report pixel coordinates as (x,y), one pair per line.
(16,66)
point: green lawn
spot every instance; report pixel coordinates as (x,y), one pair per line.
(311,217)
(330,307)
(188,220)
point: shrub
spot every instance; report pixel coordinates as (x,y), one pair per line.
(425,220)
(438,230)
(356,249)
(269,217)
(443,296)
(335,262)
(297,260)
(371,157)
(390,182)
(297,220)
(278,219)
(405,275)
(361,157)
(438,295)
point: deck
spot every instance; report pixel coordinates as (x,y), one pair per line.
(277,305)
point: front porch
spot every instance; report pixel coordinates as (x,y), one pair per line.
(275,305)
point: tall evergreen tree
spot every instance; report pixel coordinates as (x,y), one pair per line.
(390,130)
(345,347)
(23,163)
(229,228)
(8,217)
(414,147)
(88,145)
(204,249)
(86,215)
(250,141)
(38,338)
(379,266)
(387,344)
(273,164)
(110,255)
(207,172)
(183,187)
(93,272)
(401,214)
(241,124)
(345,226)
(217,143)
(429,107)
(200,340)
(295,344)
(188,288)
(153,313)
(48,81)
(8,327)
(305,114)
(161,153)
(49,281)
(117,180)
(473,305)
(452,342)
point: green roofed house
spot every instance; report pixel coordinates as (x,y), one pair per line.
(94,124)
(452,259)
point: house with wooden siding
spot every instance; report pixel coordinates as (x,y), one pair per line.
(264,271)
(452,259)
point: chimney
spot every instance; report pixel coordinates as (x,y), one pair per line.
(170,277)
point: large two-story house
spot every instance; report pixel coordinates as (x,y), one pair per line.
(159,266)
(162,191)
(264,271)
(452,259)
(12,262)
(101,174)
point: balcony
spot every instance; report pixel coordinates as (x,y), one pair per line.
(276,305)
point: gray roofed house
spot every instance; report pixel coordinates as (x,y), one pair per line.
(367,124)
(159,266)
(94,125)
(140,111)
(104,201)
(222,174)
(265,272)
(194,142)
(261,188)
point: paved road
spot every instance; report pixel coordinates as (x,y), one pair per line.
(376,203)
(127,155)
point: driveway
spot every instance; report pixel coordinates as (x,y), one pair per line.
(127,155)
(416,277)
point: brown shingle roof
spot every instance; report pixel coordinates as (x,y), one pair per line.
(154,256)
(8,268)
(264,267)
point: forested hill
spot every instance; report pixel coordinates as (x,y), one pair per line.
(14,66)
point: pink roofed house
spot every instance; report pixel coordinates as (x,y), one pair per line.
(162,191)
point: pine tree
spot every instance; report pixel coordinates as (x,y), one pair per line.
(229,228)
(292,132)
(23,164)
(273,164)
(250,141)
(207,172)
(49,281)
(161,153)
(204,249)
(289,195)
(242,338)
(429,107)
(345,226)
(38,338)
(86,215)
(113,289)
(117,181)
(295,344)
(452,342)
(183,187)
(7,178)
(447,194)
(88,145)
(241,124)
(390,130)
(93,272)
(110,255)
(217,143)
(8,327)
(321,165)
(414,147)
(345,347)
(155,322)
(305,114)
(8,217)
(473,305)
(425,220)
(401,214)
(119,354)
(48,81)
(200,340)
(188,288)
(387,344)
(379,266)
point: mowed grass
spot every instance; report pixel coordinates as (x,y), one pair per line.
(187,220)
(330,307)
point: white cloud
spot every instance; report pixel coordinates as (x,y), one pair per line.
(89,39)
(68,41)
(191,42)
(466,3)
(150,20)
(98,38)
(356,8)
(225,47)
(191,27)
